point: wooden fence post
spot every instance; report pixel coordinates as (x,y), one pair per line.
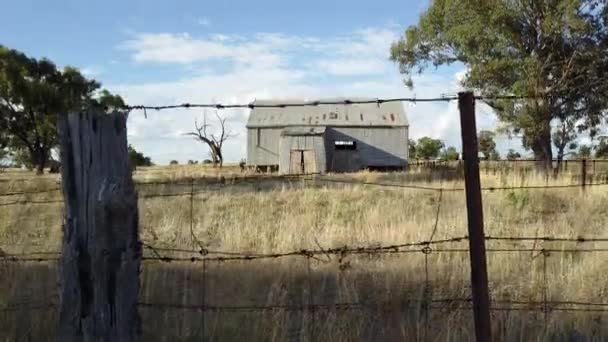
(477,249)
(100,263)
(584,173)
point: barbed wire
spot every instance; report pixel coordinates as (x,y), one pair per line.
(24,202)
(541,306)
(302,177)
(346,102)
(33,305)
(383,306)
(579,239)
(407,247)
(29,192)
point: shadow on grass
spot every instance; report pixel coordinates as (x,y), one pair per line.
(293,299)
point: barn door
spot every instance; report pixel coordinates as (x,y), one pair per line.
(296,162)
(302,161)
(310,165)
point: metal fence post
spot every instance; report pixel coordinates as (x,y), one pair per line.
(477,249)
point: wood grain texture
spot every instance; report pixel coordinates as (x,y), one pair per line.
(99,269)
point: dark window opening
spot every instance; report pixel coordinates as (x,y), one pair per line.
(333,115)
(345,145)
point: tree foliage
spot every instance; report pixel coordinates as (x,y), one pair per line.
(487,145)
(428,148)
(450,153)
(138,159)
(513,155)
(551,51)
(584,151)
(33,93)
(601,150)
(411,148)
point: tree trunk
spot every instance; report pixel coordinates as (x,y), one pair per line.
(216,155)
(39,160)
(541,147)
(99,267)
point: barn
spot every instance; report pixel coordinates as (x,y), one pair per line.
(327,138)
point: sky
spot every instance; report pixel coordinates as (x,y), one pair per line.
(159,52)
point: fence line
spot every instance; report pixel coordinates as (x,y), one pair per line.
(424,247)
(253,105)
(315,177)
(203,256)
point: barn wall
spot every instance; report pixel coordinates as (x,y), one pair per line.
(304,142)
(267,153)
(376,147)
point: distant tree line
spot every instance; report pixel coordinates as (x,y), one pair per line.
(428,148)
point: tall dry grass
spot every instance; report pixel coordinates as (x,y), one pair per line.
(276,215)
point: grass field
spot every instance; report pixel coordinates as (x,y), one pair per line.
(268,215)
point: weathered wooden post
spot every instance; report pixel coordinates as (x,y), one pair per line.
(99,267)
(477,243)
(583,173)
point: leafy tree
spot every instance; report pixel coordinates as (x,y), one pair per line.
(550,51)
(174,162)
(487,145)
(513,155)
(601,151)
(411,148)
(584,151)
(428,148)
(33,93)
(192,162)
(450,153)
(138,158)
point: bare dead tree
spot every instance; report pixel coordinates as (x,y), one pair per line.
(215,142)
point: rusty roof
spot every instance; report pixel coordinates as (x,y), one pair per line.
(351,115)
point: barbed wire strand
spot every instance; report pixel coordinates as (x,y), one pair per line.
(321,178)
(407,247)
(378,101)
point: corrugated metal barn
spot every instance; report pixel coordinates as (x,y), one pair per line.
(327,138)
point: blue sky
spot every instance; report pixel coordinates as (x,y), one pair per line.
(165,52)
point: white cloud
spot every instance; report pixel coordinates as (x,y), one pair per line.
(275,65)
(344,67)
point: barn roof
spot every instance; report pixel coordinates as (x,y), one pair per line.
(351,115)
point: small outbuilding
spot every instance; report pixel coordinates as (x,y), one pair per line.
(327,138)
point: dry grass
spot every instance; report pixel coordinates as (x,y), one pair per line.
(273,215)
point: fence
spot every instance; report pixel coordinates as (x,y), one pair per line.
(209,285)
(206,264)
(594,168)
